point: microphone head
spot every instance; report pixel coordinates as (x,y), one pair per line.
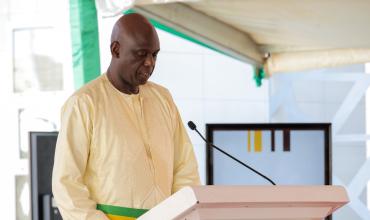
(191,125)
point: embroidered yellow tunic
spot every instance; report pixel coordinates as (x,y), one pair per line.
(119,150)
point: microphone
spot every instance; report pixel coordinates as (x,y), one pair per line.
(192,126)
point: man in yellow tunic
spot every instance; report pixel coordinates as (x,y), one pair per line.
(122,147)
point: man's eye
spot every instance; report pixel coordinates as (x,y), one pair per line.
(141,53)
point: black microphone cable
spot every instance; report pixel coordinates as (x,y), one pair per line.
(192,126)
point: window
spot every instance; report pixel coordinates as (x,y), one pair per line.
(36,65)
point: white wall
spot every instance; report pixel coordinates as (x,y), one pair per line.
(367,100)
(318,96)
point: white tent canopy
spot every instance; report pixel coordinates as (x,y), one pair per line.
(297,35)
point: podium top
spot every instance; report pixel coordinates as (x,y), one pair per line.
(263,194)
(250,202)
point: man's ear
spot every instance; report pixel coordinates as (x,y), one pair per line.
(114,49)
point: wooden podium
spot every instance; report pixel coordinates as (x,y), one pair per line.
(250,203)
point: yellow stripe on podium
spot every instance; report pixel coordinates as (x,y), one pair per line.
(258,141)
(249,141)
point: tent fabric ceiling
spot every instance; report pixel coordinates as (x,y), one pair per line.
(291,25)
(339,29)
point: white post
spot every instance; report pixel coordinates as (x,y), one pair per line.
(367,70)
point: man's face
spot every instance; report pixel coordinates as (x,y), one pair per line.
(137,57)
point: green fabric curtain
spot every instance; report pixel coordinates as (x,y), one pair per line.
(85,41)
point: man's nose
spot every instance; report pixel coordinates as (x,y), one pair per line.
(149,60)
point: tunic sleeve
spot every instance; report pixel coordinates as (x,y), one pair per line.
(71,157)
(185,163)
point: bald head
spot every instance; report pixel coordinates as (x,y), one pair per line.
(131,25)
